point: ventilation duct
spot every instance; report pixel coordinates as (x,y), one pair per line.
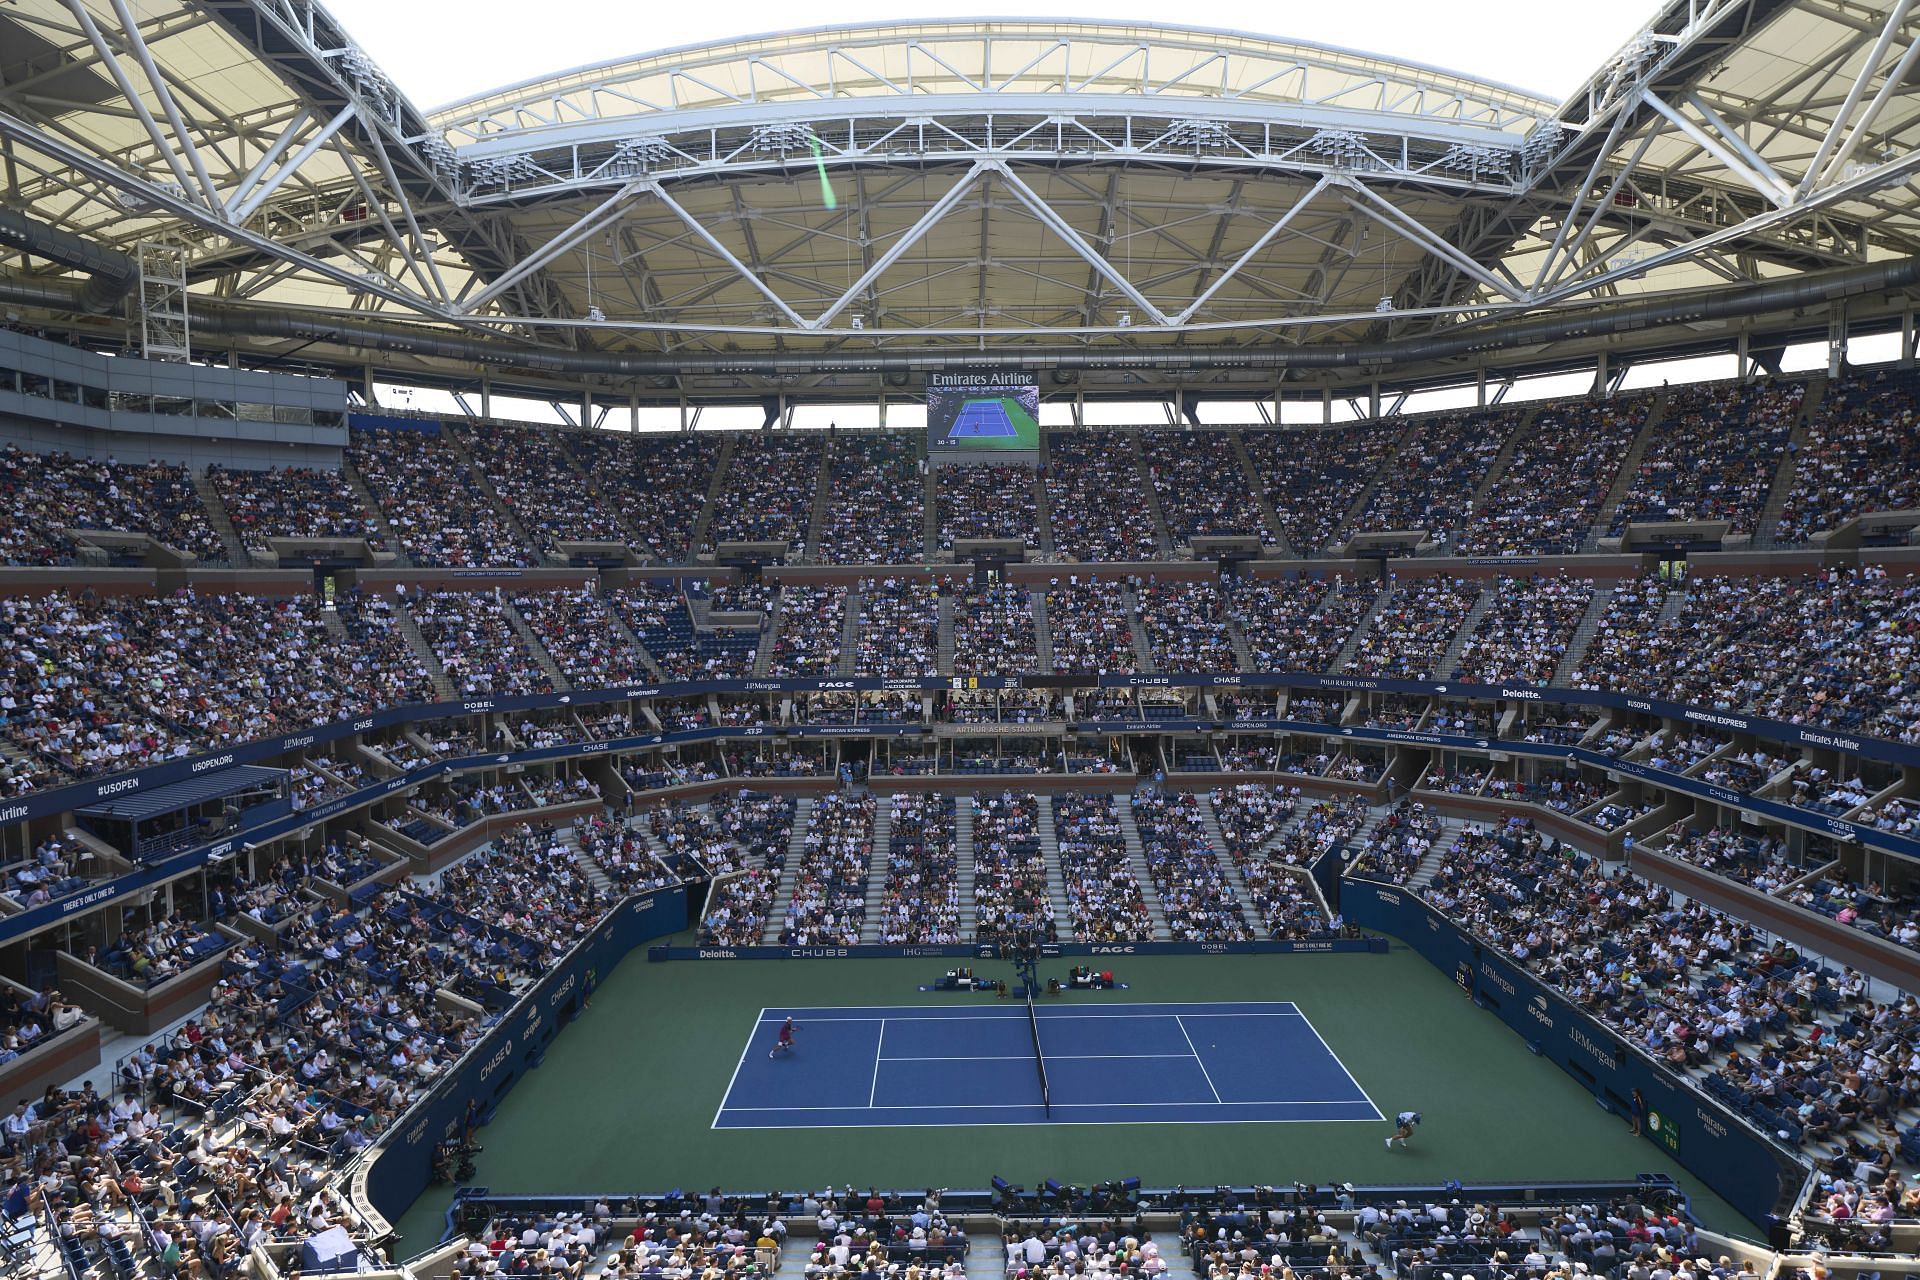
(110,273)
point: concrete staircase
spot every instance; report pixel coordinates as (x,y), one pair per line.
(1137,863)
(480,480)
(968,923)
(822,503)
(330,619)
(364,496)
(1142,651)
(796,849)
(1050,854)
(1210,820)
(1423,874)
(410,631)
(624,633)
(534,647)
(1361,499)
(1673,605)
(704,522)
(1042,505)
(220,522)
(850,633)
(930,524)
(1148,495)
(1583,634)
(1251,475)
(1629,470)
(945,633)
(764,656)
(1501,460)
(1042,629)
(1352,646)
(1769,517)
(877,875)
(1451,660)
(595,873)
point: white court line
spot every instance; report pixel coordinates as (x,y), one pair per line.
(1343,1068)
(1140,1011)
(1196,1058)
(874,1088)
(1051,1057)
(1082,1106)
(989,1011)
(736,1073)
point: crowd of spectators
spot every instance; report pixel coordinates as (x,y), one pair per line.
(45,493)
(1713,454)
(1550,493)
(1298,624)
(921,902)
(1089,622)
(1430,483)
(538,481)
(1862,454)
(1010,895)
(1201,487)
(1095,505)
(877,502)
(1104,901)
(1200,904)
(812,623)
(1272,855)
(477,646)
(769,490)
(1410,634)
(987,502)
(829,901)
(292,502)
(660,620)
(993,631)
(1187,627)
(662,482)
(899,628)
(1524,631)
(434,503)
(531,882)
(1313,476)
(578,632)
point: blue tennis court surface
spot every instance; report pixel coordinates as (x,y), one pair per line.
(1106,1064)
(981,418)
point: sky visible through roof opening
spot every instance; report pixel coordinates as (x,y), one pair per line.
(440,51)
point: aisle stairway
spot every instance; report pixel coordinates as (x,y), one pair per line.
(877,873)
(969,919)
(1050,851)
(219,521)
(1137,863)
(796,850)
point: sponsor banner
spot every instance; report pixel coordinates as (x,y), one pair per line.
(989,951)
(399,1168)
(1736,1160)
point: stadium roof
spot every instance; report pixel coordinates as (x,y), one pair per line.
(917,191)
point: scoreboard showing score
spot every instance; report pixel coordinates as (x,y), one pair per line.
(990,411)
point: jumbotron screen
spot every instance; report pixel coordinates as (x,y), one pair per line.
(992,410)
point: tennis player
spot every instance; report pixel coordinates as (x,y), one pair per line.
(785,1043)
(1404,1125)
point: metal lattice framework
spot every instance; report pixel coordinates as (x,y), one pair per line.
(945,184)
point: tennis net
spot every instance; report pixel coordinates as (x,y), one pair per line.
(1039,1057)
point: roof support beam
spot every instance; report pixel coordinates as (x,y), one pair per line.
(1762,179)
(1064,229)
(1384,212)
(925,223)
(1895,79)
(112,63)
(1253,250)
(130,31)
(589,223)
(1855,92)
(264,192)
(721,251)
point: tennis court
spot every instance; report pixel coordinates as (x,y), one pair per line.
(982,418)
(1099,1064)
